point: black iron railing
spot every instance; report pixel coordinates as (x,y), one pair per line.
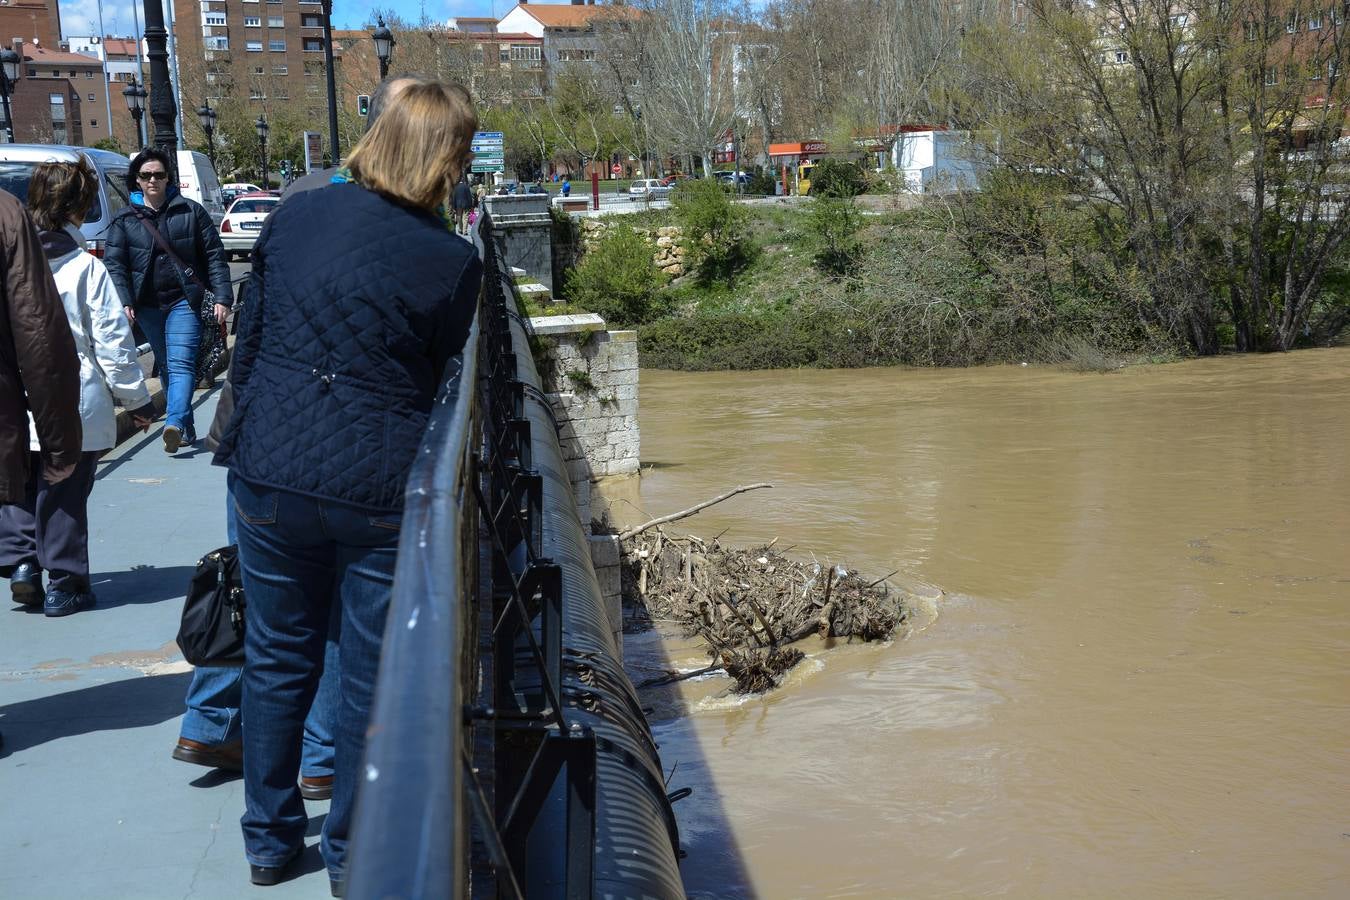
(507,755)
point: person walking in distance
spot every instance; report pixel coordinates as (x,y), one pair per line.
(39,371)
(334,383)
(163,252)
(49,529)
(463,203)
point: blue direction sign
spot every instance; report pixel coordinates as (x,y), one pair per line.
(488,136)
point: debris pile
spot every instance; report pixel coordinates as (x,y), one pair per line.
(749,606)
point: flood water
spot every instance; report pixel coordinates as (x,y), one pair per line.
(1136,683)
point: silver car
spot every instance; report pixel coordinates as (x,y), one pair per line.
(17,162)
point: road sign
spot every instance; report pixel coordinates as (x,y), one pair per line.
(489,157)
(488,135)
(487,167)
(486,148)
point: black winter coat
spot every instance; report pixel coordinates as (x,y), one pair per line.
(187,227)
(353,309)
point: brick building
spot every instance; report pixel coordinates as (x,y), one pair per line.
(59,98)
(260,51)
(121,63)
(31,20)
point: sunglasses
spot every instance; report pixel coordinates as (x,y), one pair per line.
(152,176)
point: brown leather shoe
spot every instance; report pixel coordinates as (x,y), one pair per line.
(316,787)
(221,756)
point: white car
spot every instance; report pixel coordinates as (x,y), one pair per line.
(243,221)
(648,189)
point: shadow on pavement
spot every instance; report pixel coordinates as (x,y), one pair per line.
(132,703)
(140,584)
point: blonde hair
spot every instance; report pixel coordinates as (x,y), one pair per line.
(59,191)
(419,145)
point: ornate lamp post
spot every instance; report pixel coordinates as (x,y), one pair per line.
(135,96)
(163,109)
(331,78)
(384,46)
(207,117)
(261,125)
(9,80)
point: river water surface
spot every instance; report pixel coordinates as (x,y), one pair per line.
(1136,682)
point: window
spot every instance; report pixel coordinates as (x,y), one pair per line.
(58,103)
(93,123)
(586,55)
(1338,15)
(276,46)
(1122,57)
(216,43)
(1272,76)
(89,74)
(276,22)
(253,46)
(1251,30)
(213,18)
(504,54)
(1291,23)
(1332,70)
(91,98)
(32,71)
(1314,70)
(309,20)
(313,45)
(252,22)
(280,70)
(1315,22)
(524,52)
(256,94)
(257,70)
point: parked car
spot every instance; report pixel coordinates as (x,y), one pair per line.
(732,177)
(234,190)
(17,162)
(197,181)
(648,189)
(243,221)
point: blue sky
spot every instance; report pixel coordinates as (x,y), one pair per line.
(81,16)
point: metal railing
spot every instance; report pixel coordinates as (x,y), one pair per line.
(507,755)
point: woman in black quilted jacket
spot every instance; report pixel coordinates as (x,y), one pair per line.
(359,296)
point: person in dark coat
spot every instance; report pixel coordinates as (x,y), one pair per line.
(163,291)
(39,368)
(463,202)
(360,295)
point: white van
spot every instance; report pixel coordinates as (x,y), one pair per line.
(197,181)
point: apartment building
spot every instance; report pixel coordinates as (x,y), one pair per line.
(259,51)
(121,64)
(59,98)
(33,20)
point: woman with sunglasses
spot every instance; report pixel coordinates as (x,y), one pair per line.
(163,252)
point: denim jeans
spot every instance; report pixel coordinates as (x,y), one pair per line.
(216,693)
(305,561)
(174,333)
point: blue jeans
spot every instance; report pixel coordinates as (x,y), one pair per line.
(305,561)
(215,694)
(174,333)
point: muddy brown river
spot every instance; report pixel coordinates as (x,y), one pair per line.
(1135,684)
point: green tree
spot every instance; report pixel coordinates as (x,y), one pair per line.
(618,278)
(716,236)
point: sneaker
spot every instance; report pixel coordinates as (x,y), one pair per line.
(63,603)
(173,438)
(26,584)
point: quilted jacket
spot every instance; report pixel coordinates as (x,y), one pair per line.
(354,307)
(187,227)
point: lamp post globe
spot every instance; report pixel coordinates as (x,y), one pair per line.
(207,117)
(384,46)
(135,96)
(9,80)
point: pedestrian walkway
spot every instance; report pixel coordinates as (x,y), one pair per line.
(91,804)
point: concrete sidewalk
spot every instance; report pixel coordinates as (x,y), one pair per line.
(93,805)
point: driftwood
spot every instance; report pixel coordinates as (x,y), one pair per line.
(750,606)
(685,513)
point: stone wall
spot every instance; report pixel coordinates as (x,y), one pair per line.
(590,376)
(669,256)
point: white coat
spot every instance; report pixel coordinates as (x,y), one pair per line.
(108,361)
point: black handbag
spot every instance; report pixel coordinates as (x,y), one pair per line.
(212,630)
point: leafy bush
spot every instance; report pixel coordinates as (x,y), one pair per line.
(617,279)
(835,223)
(838,178)
(716,236)
(761,184)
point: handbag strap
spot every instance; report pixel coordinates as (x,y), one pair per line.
(164,245)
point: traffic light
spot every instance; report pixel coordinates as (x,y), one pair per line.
(363,104)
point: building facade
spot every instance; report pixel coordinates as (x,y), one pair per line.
(59,99)
(122,64)
(258,51)
(31,20)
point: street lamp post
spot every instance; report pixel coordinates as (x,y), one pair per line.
(384,46)
(207,117)
(261,125)
(9,79)
(135,96)
(331,78)
(163,108)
